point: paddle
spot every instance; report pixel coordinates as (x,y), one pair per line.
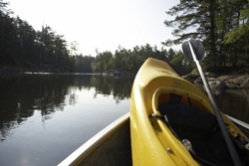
(194,49)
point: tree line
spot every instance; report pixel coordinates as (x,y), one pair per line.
(24,48)
(130,60)
(222,25)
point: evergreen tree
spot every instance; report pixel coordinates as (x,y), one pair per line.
(221,24)
(82,64)
(194,19)
(237,32)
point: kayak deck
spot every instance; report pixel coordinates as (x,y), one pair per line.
(158,130)
(198,127)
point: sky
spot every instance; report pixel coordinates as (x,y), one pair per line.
(102,25)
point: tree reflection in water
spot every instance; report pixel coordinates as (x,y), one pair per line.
(22,95)
(235,103)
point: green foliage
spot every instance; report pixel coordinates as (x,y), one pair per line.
(193,19)
(181,64)
(221,24)
(24,48)
(129,61)
(102,62)
(83,63)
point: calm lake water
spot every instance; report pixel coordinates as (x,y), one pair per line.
(43,118)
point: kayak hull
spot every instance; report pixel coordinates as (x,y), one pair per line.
(111,146)
(153,143)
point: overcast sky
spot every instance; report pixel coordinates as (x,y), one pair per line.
(100,24)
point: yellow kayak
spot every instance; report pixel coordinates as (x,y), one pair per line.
(172,122)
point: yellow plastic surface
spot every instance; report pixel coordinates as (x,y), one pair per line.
(153,144)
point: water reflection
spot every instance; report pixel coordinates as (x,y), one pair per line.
(21,96)
(117,87)
(71,109)
(235,103)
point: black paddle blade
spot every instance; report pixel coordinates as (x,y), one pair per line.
(197,48)
(186,50)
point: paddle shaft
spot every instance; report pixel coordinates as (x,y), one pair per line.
(230,145)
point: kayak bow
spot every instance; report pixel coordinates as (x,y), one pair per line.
(172,121)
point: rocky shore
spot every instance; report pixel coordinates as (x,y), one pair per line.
(220,83)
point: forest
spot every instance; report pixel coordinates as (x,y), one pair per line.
(222,25)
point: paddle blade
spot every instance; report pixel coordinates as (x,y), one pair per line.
(186,50)
(197,48)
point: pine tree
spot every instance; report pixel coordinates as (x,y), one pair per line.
(195,19)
